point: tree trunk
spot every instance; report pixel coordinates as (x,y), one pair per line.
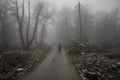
(20,23)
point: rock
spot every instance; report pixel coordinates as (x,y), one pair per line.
(91,76)
(118,63)
(20,70)
(83,53)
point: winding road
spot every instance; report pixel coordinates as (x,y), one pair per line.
(55,67)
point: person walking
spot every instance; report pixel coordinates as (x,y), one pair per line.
(59,48)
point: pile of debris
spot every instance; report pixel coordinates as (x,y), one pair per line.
(80,47)
(96,67)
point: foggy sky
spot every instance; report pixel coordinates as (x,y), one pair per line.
(96,5)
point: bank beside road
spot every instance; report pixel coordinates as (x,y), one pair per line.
(95,66)
(16,64)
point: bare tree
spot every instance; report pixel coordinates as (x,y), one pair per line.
(38,11)
(4,21)
(28,26)
(20,19)
(40,33)
(107,29)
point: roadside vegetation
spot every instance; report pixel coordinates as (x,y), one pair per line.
(15,64)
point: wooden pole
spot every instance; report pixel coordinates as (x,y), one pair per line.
(80,21)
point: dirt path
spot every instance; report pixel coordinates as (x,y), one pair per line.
(55,67)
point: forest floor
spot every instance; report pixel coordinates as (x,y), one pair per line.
(15,64)
(96,66)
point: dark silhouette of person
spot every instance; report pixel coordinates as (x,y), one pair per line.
(59,48)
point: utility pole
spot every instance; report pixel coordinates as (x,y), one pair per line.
(80,20)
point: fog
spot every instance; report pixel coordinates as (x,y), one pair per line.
(96,10)
(62,39)
(96,5)
(57,21)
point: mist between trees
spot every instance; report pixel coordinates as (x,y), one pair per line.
(101,27)
(24,25)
